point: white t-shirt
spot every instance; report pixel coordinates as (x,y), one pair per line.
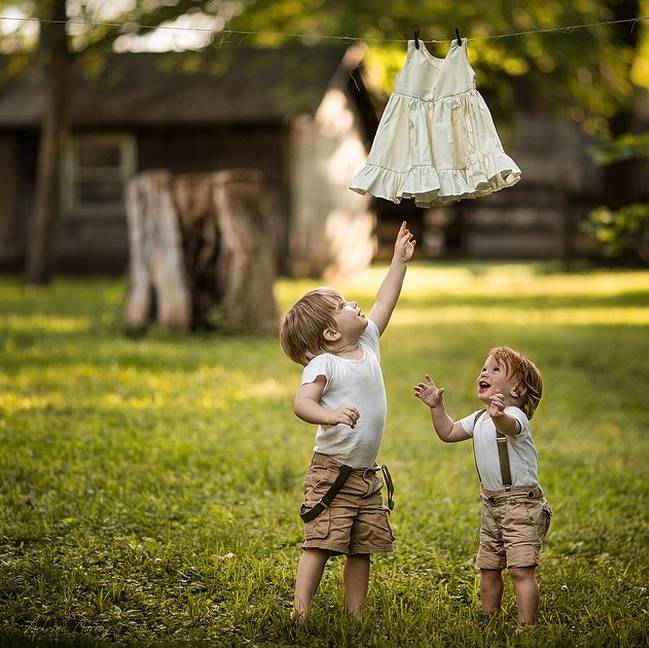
(358,383)
(521,450)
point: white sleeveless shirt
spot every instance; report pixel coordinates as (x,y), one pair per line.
(436,141)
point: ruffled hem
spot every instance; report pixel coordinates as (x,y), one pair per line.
(432,187)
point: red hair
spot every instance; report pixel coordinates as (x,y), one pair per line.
(529,382)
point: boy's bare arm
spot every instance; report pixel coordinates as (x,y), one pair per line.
(388,293)
(447,430)
(504,422)
(306,406)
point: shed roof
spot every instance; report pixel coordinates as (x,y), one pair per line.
(218,85)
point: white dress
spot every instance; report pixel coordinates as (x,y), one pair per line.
(436,141)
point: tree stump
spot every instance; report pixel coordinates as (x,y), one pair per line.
(158,281)
(193,194)
(246,265)
(199,240)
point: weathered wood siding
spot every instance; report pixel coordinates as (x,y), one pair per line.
(332,228)
(99,243)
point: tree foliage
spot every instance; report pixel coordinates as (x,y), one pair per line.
(586,75)
(582,74)
(626,229)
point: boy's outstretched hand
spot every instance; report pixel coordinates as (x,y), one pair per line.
(404,246)
(429,393)
(496,407)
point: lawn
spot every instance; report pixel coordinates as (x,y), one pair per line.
(149,487)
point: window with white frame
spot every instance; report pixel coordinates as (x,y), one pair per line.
(96,170)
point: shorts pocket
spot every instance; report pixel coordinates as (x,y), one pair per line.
(318,528)
(531,509)
(317,480)
(547,516)
(387,522)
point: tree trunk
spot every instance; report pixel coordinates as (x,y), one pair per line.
(194,198)
(158,281)
(55,59)
(246,265)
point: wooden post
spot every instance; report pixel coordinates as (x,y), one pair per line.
(568,228)
(158,281)
(246,265)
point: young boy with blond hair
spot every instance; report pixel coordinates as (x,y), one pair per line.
(342,391)
(515,515)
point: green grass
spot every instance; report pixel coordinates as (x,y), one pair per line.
(149,487)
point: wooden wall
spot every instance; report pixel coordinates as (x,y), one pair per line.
(332,228)
(539,218)
(99,243)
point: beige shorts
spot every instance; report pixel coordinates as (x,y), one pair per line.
(356,522)
(512,527)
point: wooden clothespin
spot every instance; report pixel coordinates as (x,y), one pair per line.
(416,35)
(459,40)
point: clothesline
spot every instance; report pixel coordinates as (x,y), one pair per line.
(133,26)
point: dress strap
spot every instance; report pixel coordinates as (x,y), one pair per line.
(461,64)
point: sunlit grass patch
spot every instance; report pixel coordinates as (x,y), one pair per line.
(149,487)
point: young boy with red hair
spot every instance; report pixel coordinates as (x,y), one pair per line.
(515,515)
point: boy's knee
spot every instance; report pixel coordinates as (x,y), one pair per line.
(490,574)
(315,553)
(519,574)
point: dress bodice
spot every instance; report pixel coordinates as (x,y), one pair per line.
(428,78)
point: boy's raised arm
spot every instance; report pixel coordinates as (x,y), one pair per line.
(388,293)
(447,430)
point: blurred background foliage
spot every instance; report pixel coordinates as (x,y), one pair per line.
(623,230)
(584,75)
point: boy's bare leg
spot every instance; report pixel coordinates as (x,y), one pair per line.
(309,573)
(491,590)
(526,590)
(356,577)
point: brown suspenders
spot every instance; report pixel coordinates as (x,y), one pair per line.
(329,496)
(343,473)
(503,455)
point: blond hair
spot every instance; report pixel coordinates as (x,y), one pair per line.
(303,327)
(523,370)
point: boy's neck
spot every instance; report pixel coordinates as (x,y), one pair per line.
(346,349)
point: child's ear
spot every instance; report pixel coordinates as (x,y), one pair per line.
(331,335)
(517,392)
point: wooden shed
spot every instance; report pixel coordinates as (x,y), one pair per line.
(299,114)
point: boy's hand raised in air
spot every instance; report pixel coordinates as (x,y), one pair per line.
(496,407)
(347,415)
(429,393)
(404,246)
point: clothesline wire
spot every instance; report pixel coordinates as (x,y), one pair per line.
(134,25)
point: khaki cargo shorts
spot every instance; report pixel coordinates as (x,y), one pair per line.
(512,527)
(357,521)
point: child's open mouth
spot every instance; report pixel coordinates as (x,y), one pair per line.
(483,384)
